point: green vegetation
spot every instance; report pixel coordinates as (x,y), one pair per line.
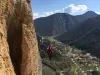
(95,72)
(92,66)
(75,70)
(50,38)
(82,59)
(48,71)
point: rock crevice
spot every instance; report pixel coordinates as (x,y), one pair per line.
(18,46)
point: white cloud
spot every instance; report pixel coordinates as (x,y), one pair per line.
(48,13)
(98,13)
(36,15)
(43,14)
(71,9)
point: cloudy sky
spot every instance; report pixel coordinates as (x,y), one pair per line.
(43,8)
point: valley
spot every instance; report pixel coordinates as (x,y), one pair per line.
(76,42)
(68,60)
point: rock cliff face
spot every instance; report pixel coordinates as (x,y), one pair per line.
(18,46)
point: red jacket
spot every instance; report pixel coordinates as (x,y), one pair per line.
(50,49)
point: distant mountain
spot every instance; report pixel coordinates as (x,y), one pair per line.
(90,14)
(59,23)
(54,24)
(85,16)
(86,36)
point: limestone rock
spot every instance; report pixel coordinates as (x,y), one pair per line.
(18,46)
(6,67)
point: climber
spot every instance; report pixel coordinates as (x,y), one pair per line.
(49,51)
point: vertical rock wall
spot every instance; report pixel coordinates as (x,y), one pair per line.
(18,45)
(29,65)
(6,67)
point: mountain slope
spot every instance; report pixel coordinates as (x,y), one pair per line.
(90,14)
(54,24)
(85,36)
(85,16)
(59,23)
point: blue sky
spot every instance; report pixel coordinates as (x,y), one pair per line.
(42,8)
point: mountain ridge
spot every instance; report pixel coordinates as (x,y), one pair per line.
(86,36)
(58,23)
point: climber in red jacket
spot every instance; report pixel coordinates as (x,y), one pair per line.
(50,50)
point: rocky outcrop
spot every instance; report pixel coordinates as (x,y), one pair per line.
(18,46)
(6,67)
